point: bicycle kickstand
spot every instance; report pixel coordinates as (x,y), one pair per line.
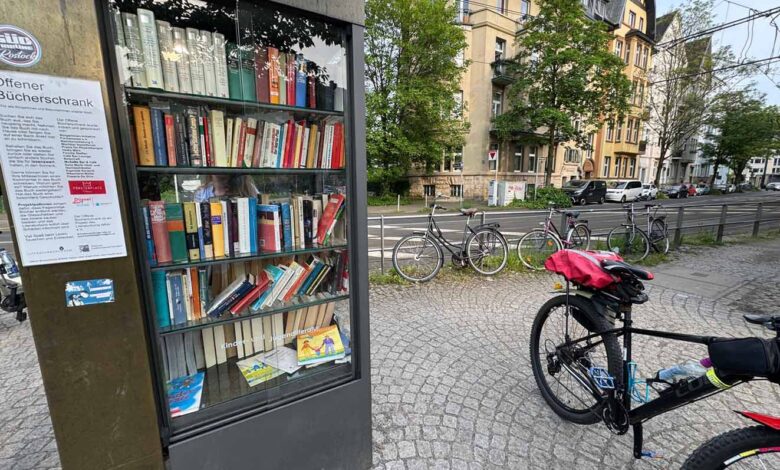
(638,444)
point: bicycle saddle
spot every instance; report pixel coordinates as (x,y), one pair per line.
(468,212)
(621,267)
(574,214)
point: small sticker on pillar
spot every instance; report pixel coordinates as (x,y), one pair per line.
(89,292)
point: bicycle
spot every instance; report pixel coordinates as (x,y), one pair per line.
(585,376)
(634,243)
(418,257)
(537,245)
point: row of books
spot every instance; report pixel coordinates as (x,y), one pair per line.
(190,232)
(153,54)
(185,295)
(187,353)
(168,134)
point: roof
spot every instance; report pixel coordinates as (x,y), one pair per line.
(615,9)
(663,23)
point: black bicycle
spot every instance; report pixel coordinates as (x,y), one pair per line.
(418,257)
(634,242)
(585,375)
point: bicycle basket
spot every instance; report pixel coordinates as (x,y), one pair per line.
(583,267)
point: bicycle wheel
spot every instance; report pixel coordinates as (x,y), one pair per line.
(631,244)
(487,251)
(579,237)
(753,447)
(560,367)
(659,236)
(417,258)
(536,246)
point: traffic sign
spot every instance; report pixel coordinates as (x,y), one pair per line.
(492,155)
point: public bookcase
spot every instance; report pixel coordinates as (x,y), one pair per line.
(242,159)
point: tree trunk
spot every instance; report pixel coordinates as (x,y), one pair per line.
(715,167)
(548,167)
(661,160)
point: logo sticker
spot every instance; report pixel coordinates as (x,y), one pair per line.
(18,48)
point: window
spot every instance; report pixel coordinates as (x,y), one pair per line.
(497,98)
(619,48)
(429,190)
(456,190)
(634,88)
(605,170)
(590,145)
(636,131)
(631,18)
(525,9)
(619,134)
(571,156)
(642,24)
(463,10)
(638,55)
(500,49)
(632,167)
(610,131)
(532,162)
(630,129)
(641,95)
(517,160)
(492,164)
(627,57)
(618,161)
(457,111)
(501,6)
(645,52)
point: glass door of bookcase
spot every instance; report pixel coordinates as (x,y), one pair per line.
(235,138)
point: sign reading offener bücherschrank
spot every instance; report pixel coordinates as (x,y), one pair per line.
(59,176)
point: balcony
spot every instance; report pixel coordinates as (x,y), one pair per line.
(500,75)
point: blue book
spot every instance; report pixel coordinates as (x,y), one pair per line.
(280,148)
(176,300)
(300,81)
(253,225)
(287,242)
(274,274)
(158,137)
(151,255)
(201,244)
(184,394)
(232,298)
(160,299)
(312,276)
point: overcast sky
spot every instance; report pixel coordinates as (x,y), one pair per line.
(739,37)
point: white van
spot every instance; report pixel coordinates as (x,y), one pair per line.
(624,191)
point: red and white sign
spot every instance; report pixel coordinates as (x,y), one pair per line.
(492,155)
(87,187)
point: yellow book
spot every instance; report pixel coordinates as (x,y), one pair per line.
(319,346)
(217,230)
(142,119)
(298,146)
(191,230)
(217,125)
(311,158)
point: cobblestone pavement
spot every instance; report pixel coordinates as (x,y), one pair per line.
(452,383)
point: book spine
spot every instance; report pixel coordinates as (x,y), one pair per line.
(182,59)
(252,216)
(291,79)
(196,62)
(191,231)
(282,78)
(158,137)
(248,74)
(182,147)
(307,222)
(234,72)
(287,224)
(199,221)
(177,298)
(235,248)
(175,221)
(206,45)
(238,123)
(261,74)
(207,141)
(311,86)
(135,55)
(208,236)
(160,299)
(217,123)
(170,139)
(257,151)
(202,141)
(249,142)
(228,243)
(203,287)
(142,121)
(151,49)
(151,256)
(159,227)
(241,145)
(193,288)
(220,66)
(243,226)
(193,134)
(273,75)
(167,56)
(217,231)
(300,81)
(229,124)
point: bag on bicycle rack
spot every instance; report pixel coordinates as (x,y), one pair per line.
(583,267)
(747,357)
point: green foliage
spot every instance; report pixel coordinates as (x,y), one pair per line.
(564,73)
(715,192)
(384,181)
(387,200)
(544,196)
(412,77)
(703,238)
(661,195)
(389,278)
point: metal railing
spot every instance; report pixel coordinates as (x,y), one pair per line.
(737,218)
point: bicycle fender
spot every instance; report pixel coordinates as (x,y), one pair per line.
(491,225)
(599,307)
(766,420)
(419,233)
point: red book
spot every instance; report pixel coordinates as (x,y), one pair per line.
(297,285)
(244,302)
(195,289)
(311,84)
(289,144)
(261,75)
(336,159)
(320,160)
(269,225)
(162,244)
(207,141)
(258,144)
(291,79)
(241,144)
(328,214)
(170,139)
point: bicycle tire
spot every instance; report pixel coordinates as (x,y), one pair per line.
(620,238)
(546,241)
(503,258)
(659,236)
(735,446)
(582,231)
(582,312)
(427,241)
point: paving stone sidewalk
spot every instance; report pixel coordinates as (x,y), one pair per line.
(452,383)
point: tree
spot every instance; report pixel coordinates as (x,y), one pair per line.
(412,82)
(565,79)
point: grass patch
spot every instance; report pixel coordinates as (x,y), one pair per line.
(654,259)
(388,200)
(389,278)
(704,238)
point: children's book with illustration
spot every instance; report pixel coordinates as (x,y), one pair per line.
(255,372)
(321,345)
(282,358)
(184,394)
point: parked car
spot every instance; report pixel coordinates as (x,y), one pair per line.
(622,191)
(702,189)
(746,187)
(649,191)
(585,191)
(677,191)
(775,186)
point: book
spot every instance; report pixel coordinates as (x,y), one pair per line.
(206,54)
(283,358)
(191,231)
(308,209)
(184,394)
(329,217)
(135,54)
(287,234)
(203,129)
(249,142)
(237,144)
(176,297)
(255,372)
(150,48)
(229,124)
(174,218)
(193,137)
(210,354)
(291,79)
(194,292)
(208,236)
(217,232)
(220,65)
(159,145)
(219,344)
(234,238)
(247,71)
(269,230)
(245,301)
(320,345)
(170,138)
(258,145)
(168,56)
(159,228)
(282,77)
(151,256)
(196,61)
(234,72)
(199,222)
(226,227)
(274,75)
(120,45)
(142,121)
(204,289)
(300,81)
(182,147)
(160,293)
(217,122)
(230,295)
(182,59)
(244,243)
(311,87)
(261,74)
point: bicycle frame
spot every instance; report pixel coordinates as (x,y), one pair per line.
(549,226)
(439,236)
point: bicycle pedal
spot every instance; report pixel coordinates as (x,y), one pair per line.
(604,380)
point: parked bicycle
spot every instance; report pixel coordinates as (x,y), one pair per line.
(536,246)
(585,375)
(418,257)
(633,242)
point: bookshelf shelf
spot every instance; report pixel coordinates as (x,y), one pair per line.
(254,256)
(212,170)
(142,95)
(225,319)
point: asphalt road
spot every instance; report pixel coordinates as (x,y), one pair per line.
(701,210)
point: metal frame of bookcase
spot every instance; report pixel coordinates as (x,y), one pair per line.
(269,422)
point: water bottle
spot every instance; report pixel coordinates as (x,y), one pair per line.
(686,370)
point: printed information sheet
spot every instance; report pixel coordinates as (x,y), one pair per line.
(56,161)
